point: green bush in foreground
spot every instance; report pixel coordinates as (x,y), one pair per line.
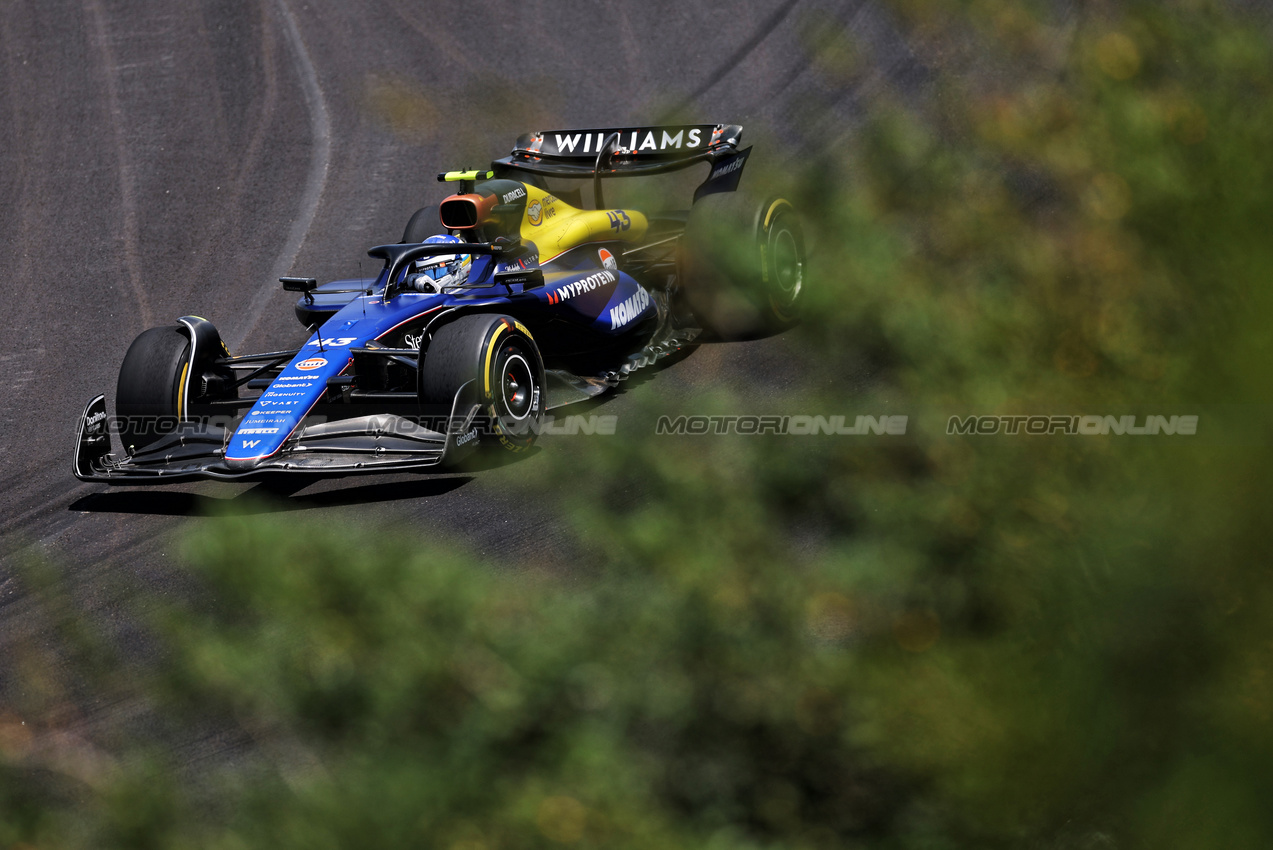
(931,641)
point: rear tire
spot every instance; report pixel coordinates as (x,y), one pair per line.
(500,357)
(151,379)
(422,224)
(743,265)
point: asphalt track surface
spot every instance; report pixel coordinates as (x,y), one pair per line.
(158,160)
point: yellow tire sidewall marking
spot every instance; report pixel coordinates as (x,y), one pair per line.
(773,208)
(181,390)
(490,350)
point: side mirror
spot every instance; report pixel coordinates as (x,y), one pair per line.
(306,285)
(528,278)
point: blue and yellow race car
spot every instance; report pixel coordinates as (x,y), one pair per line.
(521,292)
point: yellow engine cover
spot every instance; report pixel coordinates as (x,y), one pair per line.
(555,227)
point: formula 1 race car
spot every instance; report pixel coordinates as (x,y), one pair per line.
(508,298)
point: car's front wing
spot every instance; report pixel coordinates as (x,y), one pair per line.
(382,442)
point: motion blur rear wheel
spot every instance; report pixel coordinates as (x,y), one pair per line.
(742,265)
(782,262)
(497,357)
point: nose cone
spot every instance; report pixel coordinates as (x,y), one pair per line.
(246,464)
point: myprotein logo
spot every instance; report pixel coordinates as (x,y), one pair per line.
(579,287)
(629,309)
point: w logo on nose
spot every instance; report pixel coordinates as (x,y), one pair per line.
(250,444)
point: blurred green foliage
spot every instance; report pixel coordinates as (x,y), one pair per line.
(922,642)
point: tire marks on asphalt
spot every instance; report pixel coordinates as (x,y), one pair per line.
(100,40)
(744,50)
(241,165)
(316,178)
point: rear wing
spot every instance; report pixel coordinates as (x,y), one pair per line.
(630,152)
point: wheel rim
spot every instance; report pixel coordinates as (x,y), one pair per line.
(788,265)
(517,384)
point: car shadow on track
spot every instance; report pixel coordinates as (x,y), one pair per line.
(268,496)
(496,458)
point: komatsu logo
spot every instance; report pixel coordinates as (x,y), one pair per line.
(629,309)
(728,168)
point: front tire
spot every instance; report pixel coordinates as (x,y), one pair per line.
(498,355)
(151,380)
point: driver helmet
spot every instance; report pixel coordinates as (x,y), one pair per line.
(440,272)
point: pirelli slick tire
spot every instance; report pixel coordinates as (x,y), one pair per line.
(499,356)
(743,265)
(422,224)
(151,379)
